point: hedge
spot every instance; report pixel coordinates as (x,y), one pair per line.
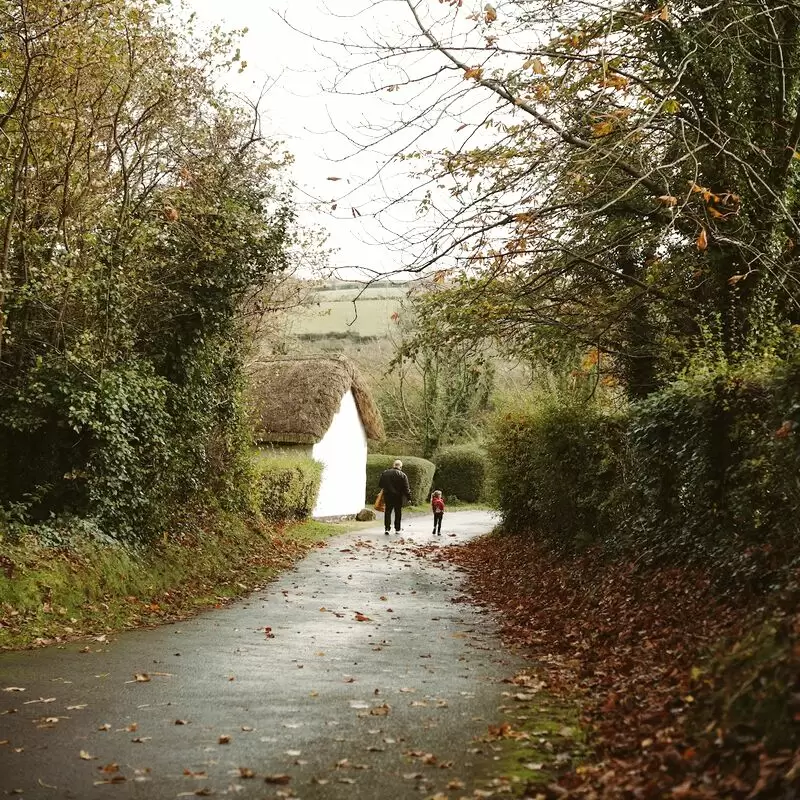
(287,486)
(715,466)
(705,471)
(461,473)
(420,473)
(556,467)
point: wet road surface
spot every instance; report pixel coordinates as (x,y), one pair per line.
(354,675)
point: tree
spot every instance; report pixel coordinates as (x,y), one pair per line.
(433,395)
(632,184)
(141,209)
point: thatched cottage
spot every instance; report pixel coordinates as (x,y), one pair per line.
(323,406)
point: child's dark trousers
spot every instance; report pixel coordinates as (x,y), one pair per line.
(437,522)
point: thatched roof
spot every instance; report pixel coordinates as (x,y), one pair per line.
(295,400)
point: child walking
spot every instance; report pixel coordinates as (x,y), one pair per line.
(437,506)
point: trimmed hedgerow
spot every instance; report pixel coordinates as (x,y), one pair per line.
(716,460)
(461,472)
(705,472)
(288,486)
(555,472)
(420,473)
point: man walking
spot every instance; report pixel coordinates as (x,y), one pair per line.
(396,489)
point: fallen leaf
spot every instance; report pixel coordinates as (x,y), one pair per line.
(86,756)
(181,721)
(380,711)
(702,240)
(141,677)
(104,727)
(280,778)
(224,739)
(362,617)
(14,689)
(112,779)
(246,772)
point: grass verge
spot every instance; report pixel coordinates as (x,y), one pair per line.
(538,740)
(49,594)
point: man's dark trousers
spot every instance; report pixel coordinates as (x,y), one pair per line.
(396,504)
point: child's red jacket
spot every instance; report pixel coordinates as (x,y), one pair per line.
(437,504)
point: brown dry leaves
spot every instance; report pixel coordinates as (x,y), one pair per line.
(628,643)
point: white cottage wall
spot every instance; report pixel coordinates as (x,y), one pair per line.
(343,453)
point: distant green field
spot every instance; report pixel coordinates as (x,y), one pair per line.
(338,311)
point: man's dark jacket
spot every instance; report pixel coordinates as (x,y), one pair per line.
(394,483)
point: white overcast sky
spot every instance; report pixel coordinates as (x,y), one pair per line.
(300,111)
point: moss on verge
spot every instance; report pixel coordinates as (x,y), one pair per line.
(50,594)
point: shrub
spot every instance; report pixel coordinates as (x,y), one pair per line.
(419,470)
(288,486)
(461,472)
(711,482)
(703,472)
(557,472)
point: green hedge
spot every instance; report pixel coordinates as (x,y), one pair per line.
(555,467)
(287,486)
(461,472)
(705,471)
(420,473)
(710,481)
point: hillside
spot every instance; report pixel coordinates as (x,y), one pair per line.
(343,311)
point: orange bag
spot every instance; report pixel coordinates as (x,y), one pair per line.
(380,505)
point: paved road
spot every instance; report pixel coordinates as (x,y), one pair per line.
(371,681)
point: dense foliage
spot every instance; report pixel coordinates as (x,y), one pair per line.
(287,486)
(420,473)
(704,472)
(555,469)
(141,211)
(713,473)
(461,473)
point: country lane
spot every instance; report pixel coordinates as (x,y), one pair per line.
(354,675)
